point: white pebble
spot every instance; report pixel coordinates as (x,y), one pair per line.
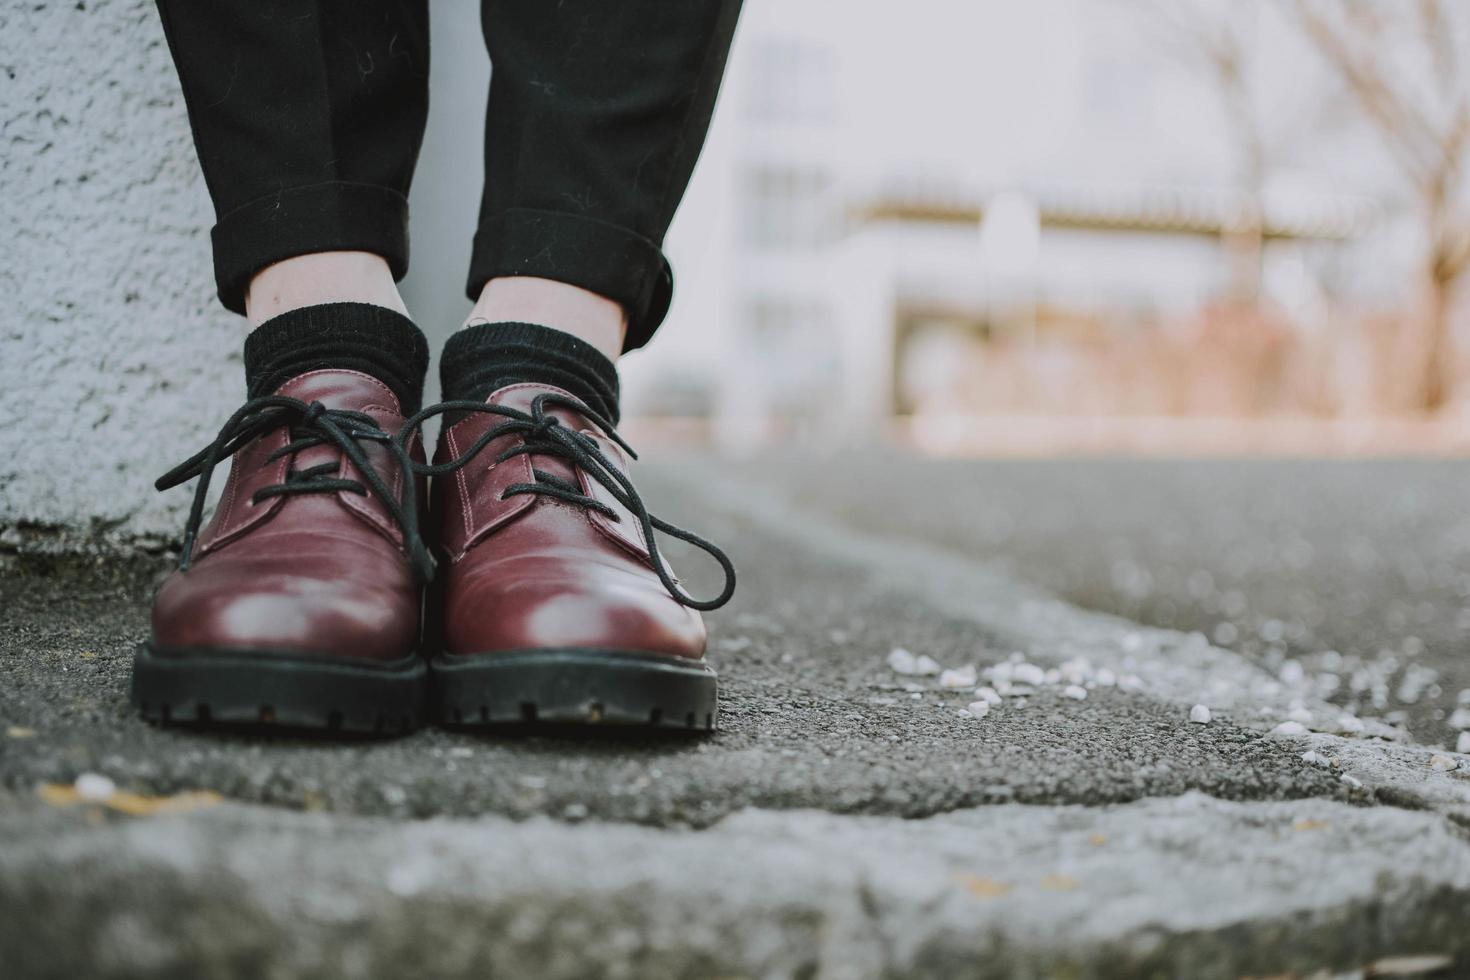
(1351,782)
(1314,758)
(1075,692)
(988,694)
(1105,678)
(978,709)
(1078,670)
(91,786)
(1461,717)
(1029,674)
(1300,714)
(1463,744)
(1130,682)
(1199,714)
(1053,676)
(960,677)
(1443,763)
(1289,728)
(1351,725)
(902,661)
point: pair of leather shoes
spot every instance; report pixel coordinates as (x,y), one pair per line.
(329,590)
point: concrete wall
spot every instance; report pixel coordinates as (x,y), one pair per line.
(116,361)
(114,355)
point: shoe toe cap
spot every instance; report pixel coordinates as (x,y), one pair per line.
(280,612)
(558,608)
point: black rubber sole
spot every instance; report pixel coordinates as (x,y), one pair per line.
(273,690)
(573,687)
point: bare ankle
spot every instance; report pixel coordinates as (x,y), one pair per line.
(321,277)
(585,315)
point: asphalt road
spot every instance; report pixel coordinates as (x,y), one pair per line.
(811,716)
(847,820)
(1278,560)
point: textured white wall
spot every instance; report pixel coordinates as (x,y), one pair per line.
(114,356)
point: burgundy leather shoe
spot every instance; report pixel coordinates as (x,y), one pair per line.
(299,604)
(552,599)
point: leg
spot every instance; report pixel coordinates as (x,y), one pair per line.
(597,114)
(555,602)
(298,603)
(307,115)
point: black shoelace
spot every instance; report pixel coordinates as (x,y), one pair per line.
(310,425)
(545,435)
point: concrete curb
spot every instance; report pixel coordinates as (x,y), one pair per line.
(1154,888)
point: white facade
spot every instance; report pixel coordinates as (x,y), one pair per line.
(783,303)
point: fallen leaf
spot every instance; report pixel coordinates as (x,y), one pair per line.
(1098,840)
(1310,825)
(1408,966)
(984,887)
(58,794)
(16,731)
(139,805)
(1058,883)
(133,804)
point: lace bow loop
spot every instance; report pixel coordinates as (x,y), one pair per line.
(543,434)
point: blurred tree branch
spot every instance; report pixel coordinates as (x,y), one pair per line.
(1427,133)
(1217,36)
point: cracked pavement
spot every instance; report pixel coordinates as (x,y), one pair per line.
(841,824)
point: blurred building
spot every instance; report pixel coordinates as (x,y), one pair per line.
(881,197)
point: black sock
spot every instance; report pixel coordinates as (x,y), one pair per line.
(488,356)
(346,336)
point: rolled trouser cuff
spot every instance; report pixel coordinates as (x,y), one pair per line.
(604,258)
(327,217)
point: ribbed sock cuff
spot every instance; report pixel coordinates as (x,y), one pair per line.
(484,358)
(346,336)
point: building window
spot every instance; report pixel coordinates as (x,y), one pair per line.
(785,208)
(790,81)
(794,349)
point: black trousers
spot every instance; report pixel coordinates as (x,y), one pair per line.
(308,116)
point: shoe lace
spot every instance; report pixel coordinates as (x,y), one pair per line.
(310,424)
(545,435)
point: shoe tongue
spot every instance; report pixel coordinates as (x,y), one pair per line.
(343,390)
(520,396)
